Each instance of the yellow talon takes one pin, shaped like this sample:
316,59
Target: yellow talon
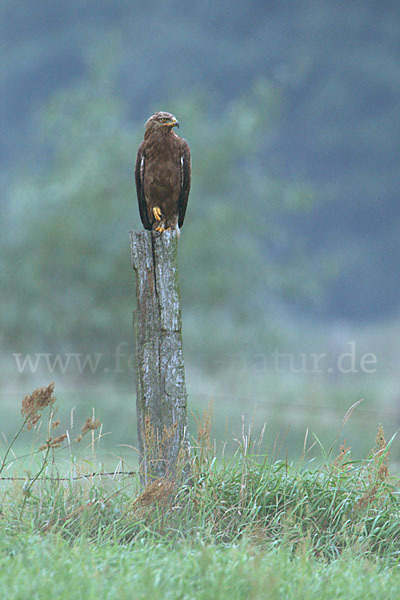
157,213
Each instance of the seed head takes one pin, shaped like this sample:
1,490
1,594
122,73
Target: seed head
32,405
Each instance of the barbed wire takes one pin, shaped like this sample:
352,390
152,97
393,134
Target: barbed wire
259,402
262,402
72,478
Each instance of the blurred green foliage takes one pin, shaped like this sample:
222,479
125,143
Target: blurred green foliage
335,65
64,237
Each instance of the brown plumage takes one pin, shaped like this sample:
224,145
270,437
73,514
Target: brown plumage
162,173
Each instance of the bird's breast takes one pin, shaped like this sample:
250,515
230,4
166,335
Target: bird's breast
163,170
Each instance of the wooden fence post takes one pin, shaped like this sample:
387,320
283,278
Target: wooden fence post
160,374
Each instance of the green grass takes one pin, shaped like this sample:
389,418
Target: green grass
246,526
240,530
49,567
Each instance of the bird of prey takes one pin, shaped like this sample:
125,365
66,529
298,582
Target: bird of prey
162,173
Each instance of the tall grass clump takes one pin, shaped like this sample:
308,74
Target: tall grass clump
341,505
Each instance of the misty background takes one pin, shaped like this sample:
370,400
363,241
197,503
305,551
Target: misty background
290,246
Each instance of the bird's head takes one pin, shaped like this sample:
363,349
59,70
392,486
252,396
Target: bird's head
161,121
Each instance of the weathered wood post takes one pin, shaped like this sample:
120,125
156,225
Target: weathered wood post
160,374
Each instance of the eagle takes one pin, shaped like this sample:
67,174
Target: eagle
163,174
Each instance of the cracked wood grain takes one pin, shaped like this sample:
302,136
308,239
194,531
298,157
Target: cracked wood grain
161,396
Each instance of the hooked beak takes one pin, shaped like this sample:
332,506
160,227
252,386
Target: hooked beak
172,123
